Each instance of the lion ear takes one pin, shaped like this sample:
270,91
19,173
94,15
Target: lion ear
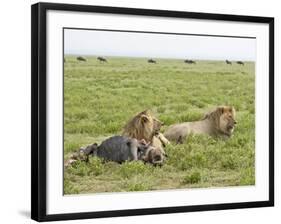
145,112
144,118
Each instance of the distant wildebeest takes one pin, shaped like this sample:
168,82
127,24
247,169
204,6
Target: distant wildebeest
102,59
190,61
228,62
81,58
151,61
240,62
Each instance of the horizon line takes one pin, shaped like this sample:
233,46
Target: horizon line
168,58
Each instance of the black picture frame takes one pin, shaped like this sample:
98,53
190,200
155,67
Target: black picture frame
39,114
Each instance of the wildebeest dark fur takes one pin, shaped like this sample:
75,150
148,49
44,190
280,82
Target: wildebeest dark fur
228,62
240,62
118,149
81,58
190,61
151,61
102,59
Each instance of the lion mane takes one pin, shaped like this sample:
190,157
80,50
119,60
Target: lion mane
140,127
220,117
145,126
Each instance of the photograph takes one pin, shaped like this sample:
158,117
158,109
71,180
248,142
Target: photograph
155,111
141,111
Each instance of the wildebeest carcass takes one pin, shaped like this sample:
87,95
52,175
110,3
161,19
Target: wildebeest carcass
240,62
81,58
120,149
102,59
189,61
228,62
151,61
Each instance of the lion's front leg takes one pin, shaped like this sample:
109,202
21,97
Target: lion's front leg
163,139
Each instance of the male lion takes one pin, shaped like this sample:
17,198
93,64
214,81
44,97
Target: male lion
219,122
145,126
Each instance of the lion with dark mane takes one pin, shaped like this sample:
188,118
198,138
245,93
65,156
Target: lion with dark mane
219,122
145,126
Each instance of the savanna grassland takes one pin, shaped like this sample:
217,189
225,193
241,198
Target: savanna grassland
99,98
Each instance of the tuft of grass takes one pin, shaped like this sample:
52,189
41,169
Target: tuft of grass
69,187
130,169
92,168
136,184
192,178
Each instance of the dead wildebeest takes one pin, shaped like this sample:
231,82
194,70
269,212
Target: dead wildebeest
151,61
120,149
102,59
190,61
240,62
228,62
81,58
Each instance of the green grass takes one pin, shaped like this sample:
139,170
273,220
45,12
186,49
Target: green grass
99,98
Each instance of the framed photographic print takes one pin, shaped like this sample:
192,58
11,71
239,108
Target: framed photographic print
139,111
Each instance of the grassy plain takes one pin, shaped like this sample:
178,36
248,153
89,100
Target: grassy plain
99,98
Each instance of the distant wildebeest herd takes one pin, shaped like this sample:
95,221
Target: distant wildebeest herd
237,62
152,61
142,140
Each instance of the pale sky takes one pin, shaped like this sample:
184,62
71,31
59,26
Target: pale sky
127,44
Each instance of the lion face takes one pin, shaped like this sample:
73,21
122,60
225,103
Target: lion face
227,120
157,126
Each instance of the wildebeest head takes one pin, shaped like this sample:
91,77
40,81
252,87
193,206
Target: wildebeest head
228,62
154,155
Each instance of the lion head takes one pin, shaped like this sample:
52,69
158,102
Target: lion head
223,118
142,126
